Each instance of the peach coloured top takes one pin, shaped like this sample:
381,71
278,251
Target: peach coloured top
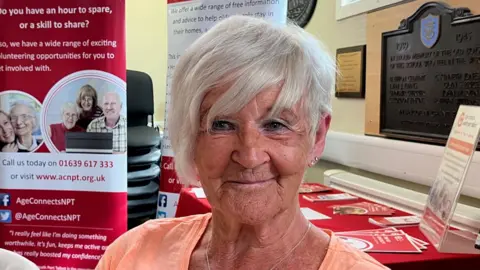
169,243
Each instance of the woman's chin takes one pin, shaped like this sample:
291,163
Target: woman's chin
254,215
23,133
7,140
251,205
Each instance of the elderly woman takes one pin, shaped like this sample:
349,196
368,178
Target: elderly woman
7,136
249,114
87,101
56,132
24,122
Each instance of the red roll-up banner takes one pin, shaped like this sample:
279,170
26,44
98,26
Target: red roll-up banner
63,141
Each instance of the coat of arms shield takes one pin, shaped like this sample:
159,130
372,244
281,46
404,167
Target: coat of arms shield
430,30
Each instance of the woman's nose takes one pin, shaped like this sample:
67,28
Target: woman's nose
249,151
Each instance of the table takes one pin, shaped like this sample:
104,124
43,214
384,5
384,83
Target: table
188,204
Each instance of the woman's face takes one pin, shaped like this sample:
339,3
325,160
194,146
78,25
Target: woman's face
86,102
6,130
69,117
251,166
22,120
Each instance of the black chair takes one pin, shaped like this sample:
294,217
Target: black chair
144,149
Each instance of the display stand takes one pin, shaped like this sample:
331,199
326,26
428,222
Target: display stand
445,191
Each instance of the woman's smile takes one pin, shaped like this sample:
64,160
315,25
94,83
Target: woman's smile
21,128
259,184
7,135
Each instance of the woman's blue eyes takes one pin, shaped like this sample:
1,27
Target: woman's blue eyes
222,126
273,126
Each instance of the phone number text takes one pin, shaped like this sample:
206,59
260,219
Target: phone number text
85,163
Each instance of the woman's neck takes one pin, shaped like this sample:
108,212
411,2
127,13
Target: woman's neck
263,243
26,140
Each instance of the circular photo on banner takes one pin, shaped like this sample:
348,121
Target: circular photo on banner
85,113
19,122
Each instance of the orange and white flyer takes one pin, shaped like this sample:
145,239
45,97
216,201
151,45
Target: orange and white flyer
395,221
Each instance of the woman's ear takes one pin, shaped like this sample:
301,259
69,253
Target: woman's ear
320,137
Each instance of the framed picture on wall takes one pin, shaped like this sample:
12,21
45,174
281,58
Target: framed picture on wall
350,79
349,8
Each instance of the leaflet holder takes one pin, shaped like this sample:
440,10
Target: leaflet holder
445,192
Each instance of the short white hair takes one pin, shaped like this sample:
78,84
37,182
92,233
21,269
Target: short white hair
249,55
33,112
71,105
117,96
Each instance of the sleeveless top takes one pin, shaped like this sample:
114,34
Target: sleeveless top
167,244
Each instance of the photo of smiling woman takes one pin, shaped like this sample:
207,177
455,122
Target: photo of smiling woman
19,128
87,101
56,132
7,137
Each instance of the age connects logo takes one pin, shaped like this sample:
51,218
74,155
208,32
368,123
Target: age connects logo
467,120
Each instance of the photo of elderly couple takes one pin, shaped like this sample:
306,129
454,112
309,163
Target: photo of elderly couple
85,116
19,122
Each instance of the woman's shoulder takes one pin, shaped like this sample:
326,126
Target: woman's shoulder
342,256
55,126
152,235
97,112
167,224
158,228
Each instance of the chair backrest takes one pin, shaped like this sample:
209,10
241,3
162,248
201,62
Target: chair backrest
10,260
139,98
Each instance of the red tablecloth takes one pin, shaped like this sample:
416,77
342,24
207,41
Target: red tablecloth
430,259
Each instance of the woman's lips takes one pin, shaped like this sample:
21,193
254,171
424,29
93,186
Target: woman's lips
257,183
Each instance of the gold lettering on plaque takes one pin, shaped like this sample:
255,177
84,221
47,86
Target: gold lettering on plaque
349,78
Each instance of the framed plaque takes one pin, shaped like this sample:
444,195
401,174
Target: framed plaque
430,66
350,80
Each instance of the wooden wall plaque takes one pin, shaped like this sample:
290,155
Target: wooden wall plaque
350,80
430,66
